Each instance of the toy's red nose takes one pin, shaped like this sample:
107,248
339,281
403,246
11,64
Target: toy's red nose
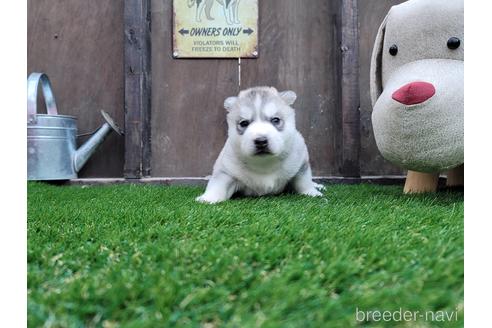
414,93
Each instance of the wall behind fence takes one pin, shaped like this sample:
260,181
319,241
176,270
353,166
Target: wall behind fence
296,52
79,44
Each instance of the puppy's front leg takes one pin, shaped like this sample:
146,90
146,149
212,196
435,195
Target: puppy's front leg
220,188
303,182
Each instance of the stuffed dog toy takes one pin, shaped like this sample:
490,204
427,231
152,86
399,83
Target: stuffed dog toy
417,90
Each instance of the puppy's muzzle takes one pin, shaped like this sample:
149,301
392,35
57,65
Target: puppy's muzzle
261,145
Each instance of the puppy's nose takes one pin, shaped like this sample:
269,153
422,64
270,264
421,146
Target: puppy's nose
261,142
414,93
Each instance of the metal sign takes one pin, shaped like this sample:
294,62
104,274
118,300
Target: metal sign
215,28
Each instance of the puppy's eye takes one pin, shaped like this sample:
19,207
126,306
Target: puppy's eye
244,123
393,50
454,43
275,120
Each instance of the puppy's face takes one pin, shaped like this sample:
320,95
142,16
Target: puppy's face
261,121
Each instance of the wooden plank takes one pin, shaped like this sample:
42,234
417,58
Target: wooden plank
350,88
298,51
186,181
137,88
79,44
371,14
188,118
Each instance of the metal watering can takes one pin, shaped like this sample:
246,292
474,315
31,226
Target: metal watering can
52,152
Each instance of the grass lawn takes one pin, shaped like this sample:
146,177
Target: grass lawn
150,256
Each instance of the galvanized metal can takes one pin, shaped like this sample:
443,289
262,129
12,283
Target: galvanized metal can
52,152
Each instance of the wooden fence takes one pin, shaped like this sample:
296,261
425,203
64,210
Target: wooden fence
117,56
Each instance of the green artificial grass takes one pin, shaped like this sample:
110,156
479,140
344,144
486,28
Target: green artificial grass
150,256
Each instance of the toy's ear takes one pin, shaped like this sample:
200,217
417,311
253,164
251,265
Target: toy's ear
288,96
229,103
376,78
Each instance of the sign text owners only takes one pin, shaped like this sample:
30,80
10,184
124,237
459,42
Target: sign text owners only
215,28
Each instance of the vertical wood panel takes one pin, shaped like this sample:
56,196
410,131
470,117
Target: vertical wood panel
188,118
79,44
137,88
350,88
371,14
299,51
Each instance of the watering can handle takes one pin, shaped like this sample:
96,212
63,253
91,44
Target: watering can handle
32,94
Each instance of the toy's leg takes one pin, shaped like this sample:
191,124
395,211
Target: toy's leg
418,182
456,176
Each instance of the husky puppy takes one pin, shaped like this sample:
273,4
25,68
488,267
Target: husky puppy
264,152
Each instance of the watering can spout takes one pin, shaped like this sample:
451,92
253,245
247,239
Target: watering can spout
85,151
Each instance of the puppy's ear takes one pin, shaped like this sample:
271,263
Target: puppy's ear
288,96
229,103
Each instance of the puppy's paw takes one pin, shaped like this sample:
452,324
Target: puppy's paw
319,186
208,199
312,193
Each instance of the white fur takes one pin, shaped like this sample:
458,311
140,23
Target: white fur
270,109
239,169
